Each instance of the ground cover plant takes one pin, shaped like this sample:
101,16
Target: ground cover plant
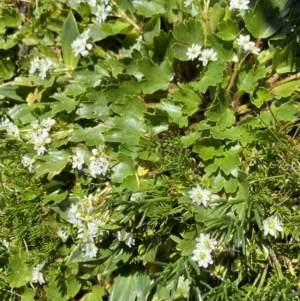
149,150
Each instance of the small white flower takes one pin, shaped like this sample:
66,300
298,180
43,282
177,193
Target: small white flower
239,4
98,166
200,196
91,2
86,235
135,197
253,49
48,123
207,242
78,46
202,256
45,64
90,249
27,162
34,65
78,159
12,130
271,225
194,51
208,55
188,2
235,58
126,237
102,13
37,275
244,42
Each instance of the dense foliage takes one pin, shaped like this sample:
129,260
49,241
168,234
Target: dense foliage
149,150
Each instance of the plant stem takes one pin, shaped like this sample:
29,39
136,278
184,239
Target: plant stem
262,279
285,80
276,262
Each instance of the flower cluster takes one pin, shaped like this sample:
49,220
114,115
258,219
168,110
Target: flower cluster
40,66
202,253
37,275
89,226
271,225
205,55
102,11
202,196
81,45
99,163
11,128
28,162
239,4
247,45
40,136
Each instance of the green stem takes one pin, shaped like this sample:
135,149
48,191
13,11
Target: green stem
262,279
276,262
285,80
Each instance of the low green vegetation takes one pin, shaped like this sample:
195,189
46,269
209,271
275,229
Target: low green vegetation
149,150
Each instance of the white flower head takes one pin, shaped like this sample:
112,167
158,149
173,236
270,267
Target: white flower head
137,196
90,249
200,196
48,123
45,64
253,49
98,166
207,55
27,162
62,234
34,65
194,51
13,130
37,275
235,58
271,225
126,237
102,12
244,42
202,256
239,4
78,159
78,46
207,242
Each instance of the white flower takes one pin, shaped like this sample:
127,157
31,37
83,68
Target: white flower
194,51
126,237
37,275
135,197
85,35
12,130
235,58
86,235
207,242
202,256
48,123
90,249
239,4
200,196
78,46
62,234
91,2
27,162
188,2
253,49
244,42
208,55
78,159
44,67
34,65
98,166
102,12
271,225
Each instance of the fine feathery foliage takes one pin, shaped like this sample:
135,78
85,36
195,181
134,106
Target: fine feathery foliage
149,150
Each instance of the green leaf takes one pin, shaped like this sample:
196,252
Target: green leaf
174,112
231,133
189,32
212,76
220,181
52,164
27,294
285,60
224,49
156,76
148,9
118,293
124,168
19,274
68,35
13,92
92,136
180,51
208,149
248,78
7,68
228,30
286,89
186,247
230,163
152,28
95,295
9,18
142,284
216,15
259,96
263,21
64,103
